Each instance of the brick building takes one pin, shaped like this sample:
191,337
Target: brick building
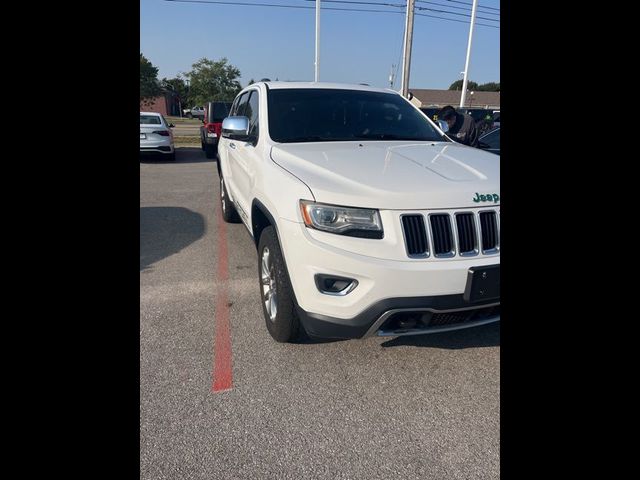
166,104
440,98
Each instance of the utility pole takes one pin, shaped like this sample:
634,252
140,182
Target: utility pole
408,42
466,63
391,76
317,40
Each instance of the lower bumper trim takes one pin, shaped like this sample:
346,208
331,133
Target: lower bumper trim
375,319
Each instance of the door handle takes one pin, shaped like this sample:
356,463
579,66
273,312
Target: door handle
232,145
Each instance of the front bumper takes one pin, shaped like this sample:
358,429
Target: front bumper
390,293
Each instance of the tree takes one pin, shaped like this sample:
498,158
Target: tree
149,86
178,85
457,85
489,87
213,81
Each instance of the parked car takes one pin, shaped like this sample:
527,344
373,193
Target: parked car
156,135
215,112
490,141
482,116
431,112
368,220
197,112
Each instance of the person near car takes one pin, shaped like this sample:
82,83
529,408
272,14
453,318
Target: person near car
462,127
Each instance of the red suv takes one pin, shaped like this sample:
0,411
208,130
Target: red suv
214,113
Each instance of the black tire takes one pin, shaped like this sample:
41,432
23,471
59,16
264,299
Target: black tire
202,144
229,212
209,151
284,325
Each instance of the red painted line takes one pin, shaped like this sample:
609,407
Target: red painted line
222,368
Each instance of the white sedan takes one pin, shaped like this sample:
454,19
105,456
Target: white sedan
156,135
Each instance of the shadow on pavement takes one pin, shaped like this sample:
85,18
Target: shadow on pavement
165,231
183,155
482,336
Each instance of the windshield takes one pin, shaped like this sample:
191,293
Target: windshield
330,115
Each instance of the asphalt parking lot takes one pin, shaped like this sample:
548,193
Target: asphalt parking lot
407,407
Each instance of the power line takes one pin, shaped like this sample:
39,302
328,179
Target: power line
281,6
455,13
401,5
453,6
470,4
454,20
221,2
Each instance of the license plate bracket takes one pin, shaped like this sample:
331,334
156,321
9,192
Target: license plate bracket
483,283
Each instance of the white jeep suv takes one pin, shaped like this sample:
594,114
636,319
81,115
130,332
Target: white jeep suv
367,218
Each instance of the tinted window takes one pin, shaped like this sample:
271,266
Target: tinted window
492,139
150,120
242,103
219,111
252,111
309,115
432,113
234,107
478,114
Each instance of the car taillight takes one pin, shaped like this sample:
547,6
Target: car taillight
218,128
163,133
211,128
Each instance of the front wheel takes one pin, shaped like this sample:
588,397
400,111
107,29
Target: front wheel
278,305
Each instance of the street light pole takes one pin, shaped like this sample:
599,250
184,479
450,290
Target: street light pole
317,40
408,42
187,82
466,63
173,89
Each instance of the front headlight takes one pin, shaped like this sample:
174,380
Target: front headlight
354,222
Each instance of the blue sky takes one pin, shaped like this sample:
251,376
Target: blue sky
355,47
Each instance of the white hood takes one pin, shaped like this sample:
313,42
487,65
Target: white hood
393,175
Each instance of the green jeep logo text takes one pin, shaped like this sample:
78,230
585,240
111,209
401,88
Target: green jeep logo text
490,197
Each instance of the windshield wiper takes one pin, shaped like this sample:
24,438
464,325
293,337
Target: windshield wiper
387,136
307,138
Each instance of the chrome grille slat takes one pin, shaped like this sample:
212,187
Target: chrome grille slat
467,240
442,235
415,235
489,226
467,234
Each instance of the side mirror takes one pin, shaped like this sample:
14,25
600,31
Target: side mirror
171,125
444,126
235,128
